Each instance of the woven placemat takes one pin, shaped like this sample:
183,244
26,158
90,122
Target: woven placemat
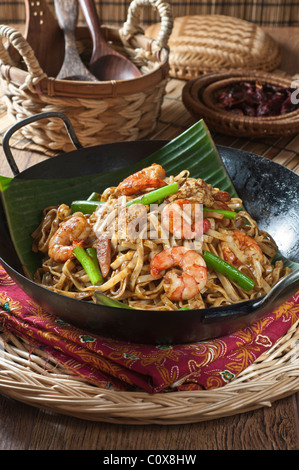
207,43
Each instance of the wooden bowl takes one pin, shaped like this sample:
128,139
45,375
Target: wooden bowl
200,98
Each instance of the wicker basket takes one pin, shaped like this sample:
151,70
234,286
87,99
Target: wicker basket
209,43
199,97
100,112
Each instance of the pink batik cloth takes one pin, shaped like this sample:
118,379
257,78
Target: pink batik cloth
120,365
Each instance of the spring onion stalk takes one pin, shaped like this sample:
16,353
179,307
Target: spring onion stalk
94,197
155,196
92,253
103,299
86,207
218,264
226,214
90,265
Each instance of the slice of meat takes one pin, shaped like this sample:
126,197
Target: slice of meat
103,247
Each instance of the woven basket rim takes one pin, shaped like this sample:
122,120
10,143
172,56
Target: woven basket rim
143,51
51,86
29,377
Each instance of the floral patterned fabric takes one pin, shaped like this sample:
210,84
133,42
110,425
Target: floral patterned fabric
120,365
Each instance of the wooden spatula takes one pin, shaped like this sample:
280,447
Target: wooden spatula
105,62
44,35
72,67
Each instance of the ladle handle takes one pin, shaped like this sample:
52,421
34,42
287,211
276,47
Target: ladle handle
91,16
67,14
29,120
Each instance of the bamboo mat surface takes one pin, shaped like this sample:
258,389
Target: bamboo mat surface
173,120
269,12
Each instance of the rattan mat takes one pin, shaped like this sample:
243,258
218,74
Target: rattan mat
173,120
33,378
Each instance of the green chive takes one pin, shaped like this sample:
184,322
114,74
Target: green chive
90,264
155,196
94,197
227,214
158,195
221,266
102,299
86,207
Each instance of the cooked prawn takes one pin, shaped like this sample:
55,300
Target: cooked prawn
194,272
184,225
243,250
71,232
151,177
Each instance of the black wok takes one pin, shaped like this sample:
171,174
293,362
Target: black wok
270,193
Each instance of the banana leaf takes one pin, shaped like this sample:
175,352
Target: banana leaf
24,199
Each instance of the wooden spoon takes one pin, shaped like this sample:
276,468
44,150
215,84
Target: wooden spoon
72,67
105,62
44,35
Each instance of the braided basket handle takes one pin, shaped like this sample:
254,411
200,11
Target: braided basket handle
16,39
132,25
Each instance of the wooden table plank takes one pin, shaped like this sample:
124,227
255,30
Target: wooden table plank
26,428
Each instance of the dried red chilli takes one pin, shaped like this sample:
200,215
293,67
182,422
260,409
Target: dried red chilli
257,99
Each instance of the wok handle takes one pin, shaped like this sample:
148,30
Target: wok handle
281,292
29,120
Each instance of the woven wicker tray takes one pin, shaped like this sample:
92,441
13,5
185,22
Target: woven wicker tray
198,96
35,379
208,43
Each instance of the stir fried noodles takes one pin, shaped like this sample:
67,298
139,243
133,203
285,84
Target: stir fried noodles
157,242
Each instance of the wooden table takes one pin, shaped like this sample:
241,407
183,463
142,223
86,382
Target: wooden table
23,427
